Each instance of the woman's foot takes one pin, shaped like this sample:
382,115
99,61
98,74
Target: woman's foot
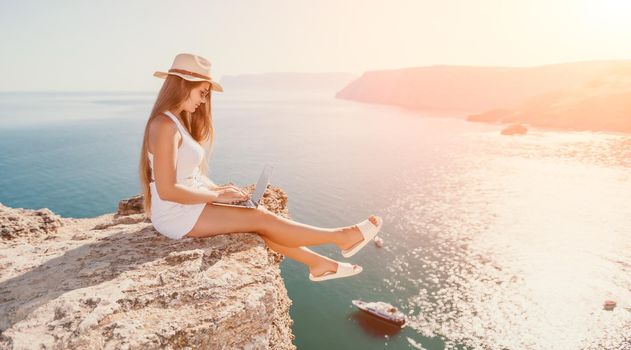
352,236
324,267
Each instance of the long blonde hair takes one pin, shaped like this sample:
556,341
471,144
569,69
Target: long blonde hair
199,124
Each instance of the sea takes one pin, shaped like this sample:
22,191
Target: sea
490,241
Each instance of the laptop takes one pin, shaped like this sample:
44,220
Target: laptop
259,190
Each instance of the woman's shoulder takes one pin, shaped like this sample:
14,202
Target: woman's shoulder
162,125
161,121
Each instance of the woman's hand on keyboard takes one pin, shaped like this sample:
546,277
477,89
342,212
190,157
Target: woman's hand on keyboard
229,185
230,195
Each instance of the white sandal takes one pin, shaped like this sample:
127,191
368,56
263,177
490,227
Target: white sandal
343,270
369,231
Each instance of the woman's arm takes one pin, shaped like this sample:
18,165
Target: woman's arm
208,182
188,195
165,138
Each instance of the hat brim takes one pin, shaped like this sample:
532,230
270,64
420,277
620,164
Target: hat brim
213,84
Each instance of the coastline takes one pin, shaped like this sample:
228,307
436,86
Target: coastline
576,96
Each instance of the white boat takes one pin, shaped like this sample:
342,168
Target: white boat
383,311
378,241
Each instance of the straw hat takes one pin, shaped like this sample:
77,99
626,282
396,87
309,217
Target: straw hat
191,67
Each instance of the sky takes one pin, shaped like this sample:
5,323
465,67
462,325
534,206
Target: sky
117,45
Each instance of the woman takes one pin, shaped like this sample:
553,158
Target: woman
177,192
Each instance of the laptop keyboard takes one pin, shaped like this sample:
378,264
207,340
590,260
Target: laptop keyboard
245,203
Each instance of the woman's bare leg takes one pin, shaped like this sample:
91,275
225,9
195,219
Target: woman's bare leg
216,220
317,264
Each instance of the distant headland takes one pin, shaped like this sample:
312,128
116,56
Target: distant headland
593,95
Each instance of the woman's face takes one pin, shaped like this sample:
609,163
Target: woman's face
197,97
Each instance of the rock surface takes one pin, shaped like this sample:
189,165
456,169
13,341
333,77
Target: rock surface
16,223
113,282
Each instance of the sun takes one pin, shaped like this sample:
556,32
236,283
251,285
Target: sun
607,15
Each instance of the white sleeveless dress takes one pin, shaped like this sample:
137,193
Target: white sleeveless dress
172,219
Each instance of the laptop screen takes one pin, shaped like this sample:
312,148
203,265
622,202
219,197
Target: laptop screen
261,185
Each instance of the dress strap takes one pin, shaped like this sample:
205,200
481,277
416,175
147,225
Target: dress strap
177,123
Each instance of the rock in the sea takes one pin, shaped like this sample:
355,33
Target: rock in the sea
514,129
113,282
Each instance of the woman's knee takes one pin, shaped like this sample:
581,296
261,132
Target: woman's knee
262,209
265,219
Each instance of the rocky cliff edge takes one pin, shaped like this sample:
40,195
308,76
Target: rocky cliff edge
113,282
